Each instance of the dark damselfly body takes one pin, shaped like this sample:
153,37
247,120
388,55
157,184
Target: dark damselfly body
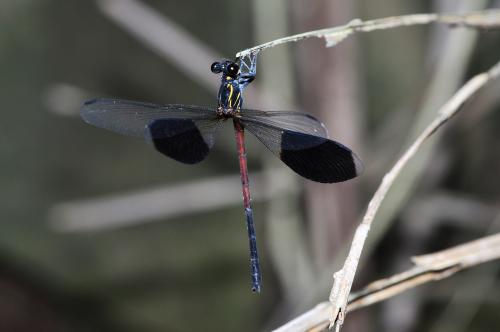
187,134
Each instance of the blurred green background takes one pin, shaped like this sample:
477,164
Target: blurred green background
187,270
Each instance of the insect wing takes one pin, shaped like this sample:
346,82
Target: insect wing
186,140
303,146
293,121
184,133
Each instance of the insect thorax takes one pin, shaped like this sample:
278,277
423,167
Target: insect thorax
229,94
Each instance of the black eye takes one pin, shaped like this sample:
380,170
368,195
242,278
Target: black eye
232,69
216,67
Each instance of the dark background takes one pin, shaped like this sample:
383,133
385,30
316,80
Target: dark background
189,271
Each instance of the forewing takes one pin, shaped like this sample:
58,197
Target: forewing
131,117
184,133
293,121
314,157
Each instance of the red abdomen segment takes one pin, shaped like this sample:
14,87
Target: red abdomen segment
254,256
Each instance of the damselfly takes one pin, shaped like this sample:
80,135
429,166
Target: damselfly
187,133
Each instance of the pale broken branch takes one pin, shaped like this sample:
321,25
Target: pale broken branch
343,278
487,19
427,268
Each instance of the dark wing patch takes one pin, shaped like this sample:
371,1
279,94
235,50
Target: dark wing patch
314,157
318,159
179,139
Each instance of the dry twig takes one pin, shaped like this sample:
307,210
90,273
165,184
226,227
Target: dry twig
343,278
479,20
487,19
430,267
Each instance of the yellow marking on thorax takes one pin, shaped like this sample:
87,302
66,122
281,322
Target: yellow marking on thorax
237,99
230,86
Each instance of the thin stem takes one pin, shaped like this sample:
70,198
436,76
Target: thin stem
343,278
487,19
427,268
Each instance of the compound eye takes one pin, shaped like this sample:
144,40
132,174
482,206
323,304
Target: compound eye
232,69
216,67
